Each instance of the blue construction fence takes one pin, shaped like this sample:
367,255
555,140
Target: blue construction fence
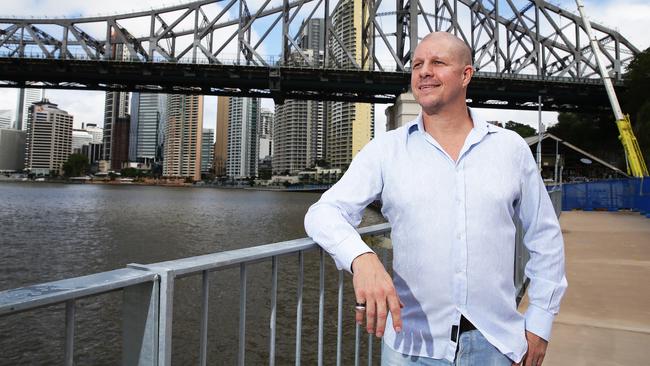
610,195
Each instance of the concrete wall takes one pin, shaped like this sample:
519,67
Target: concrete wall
12,149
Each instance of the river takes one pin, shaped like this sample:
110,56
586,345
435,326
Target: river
55,231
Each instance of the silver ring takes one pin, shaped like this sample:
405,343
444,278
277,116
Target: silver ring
361,306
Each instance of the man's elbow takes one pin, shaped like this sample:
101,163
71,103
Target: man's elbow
311,220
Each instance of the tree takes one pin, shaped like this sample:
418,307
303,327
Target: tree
636,100
76,165
520,128
596,133
130,172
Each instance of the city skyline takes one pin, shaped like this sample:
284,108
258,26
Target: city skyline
626,16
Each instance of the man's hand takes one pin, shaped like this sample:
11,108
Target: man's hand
374,287
536,350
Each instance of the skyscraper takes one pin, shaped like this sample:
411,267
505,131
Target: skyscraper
299,130
49,138
243,117
351,125
221,144
79,139
12,149
120,141
265,133
207,150
146,113
290,136
183,130
116,106
26,97
5,118
96,132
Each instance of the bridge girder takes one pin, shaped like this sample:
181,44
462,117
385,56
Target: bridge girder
511,38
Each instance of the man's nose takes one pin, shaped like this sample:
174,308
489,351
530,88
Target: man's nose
426,70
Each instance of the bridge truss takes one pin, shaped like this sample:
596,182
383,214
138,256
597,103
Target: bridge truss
521,49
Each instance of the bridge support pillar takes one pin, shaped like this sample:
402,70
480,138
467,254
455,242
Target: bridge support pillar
402,112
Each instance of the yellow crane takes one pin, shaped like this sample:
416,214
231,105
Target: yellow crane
635,163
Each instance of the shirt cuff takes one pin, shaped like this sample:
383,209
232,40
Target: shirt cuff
539,321
348,250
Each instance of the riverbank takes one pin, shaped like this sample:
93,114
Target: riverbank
165,183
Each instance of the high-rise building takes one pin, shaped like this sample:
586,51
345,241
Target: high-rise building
313,38
221,144
243,117
12,149
207,150
299,130
120,141
116,106
5,118
96,132
351,125
26,97
79,139
183,130
265,133
290,136
49,138
93,152
146,113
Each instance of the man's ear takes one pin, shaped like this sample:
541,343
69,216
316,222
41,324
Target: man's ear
468,72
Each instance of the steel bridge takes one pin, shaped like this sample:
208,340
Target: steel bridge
521,49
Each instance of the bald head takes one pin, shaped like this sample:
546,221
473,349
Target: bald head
460,50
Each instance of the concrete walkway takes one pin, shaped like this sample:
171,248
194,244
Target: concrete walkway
605,315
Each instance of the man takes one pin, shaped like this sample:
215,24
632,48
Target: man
450,185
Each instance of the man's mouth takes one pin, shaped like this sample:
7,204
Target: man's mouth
425,87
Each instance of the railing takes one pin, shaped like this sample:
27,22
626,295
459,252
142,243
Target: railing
148,293
149,296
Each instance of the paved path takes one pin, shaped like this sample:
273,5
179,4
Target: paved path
605,315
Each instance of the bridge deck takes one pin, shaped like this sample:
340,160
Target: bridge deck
605,317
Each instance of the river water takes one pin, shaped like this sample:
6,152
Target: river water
55,231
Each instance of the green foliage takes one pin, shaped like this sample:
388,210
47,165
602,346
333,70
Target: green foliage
637,80
636,100
76,165
130,173
642,130
520,128
595,133
265,173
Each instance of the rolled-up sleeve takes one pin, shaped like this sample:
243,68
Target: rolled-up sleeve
543,238
331,221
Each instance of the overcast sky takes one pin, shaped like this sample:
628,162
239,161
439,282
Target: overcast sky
629,17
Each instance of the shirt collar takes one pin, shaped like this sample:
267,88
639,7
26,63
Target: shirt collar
481,127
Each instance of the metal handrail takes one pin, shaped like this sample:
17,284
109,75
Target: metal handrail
149,293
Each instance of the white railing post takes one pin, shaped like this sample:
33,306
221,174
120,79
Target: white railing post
140,324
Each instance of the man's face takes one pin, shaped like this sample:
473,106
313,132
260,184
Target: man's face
438,75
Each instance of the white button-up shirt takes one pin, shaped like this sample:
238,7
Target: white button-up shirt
453,235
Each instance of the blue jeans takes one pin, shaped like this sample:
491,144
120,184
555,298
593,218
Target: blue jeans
473,350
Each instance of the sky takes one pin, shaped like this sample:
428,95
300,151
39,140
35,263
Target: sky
629,17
